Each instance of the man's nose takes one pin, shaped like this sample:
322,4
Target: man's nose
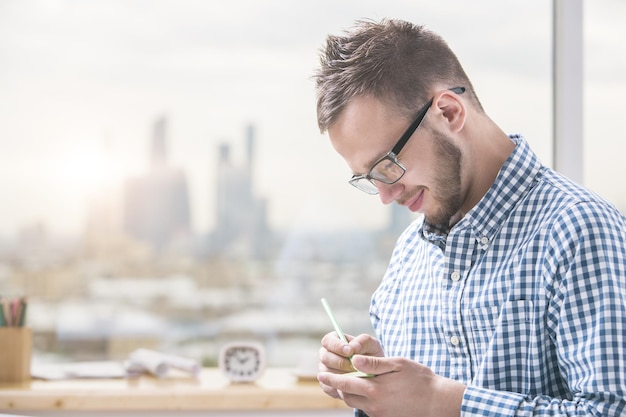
388,193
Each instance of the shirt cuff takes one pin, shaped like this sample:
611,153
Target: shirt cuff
481,402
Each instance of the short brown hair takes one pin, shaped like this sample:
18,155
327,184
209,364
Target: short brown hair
393,60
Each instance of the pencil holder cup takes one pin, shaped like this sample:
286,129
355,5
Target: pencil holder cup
15,354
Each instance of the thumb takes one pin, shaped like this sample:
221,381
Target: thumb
372,364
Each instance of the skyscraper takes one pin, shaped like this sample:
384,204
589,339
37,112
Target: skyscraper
156,204
241,217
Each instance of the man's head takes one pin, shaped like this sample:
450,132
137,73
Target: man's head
401,111
394,61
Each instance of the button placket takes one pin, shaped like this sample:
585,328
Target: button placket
458,264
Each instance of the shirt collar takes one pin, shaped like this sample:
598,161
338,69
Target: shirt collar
515,178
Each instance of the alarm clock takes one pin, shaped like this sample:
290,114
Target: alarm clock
242,361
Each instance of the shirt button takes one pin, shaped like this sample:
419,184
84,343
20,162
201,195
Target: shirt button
455,276
484,240
454,340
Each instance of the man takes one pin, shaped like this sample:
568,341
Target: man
508,296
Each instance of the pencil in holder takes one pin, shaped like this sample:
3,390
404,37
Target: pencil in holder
15,353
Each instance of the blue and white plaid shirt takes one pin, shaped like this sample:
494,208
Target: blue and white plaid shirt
523,300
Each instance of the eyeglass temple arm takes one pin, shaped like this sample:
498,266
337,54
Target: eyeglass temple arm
457,90
411,129
409,132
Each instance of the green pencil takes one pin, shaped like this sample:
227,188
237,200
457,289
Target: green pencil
343,338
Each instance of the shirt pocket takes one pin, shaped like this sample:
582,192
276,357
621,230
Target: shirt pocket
500,337
482,324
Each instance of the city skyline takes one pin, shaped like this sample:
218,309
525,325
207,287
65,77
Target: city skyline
82,82
153,207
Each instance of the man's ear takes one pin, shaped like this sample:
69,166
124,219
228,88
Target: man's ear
452,108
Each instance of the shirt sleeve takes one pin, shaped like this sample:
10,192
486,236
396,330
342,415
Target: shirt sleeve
585,280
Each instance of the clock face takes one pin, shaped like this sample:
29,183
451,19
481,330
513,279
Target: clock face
242,362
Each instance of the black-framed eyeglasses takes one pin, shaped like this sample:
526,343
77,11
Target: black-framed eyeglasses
388,169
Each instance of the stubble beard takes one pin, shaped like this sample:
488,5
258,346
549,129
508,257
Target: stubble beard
446,191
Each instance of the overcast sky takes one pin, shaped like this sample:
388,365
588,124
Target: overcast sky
76,75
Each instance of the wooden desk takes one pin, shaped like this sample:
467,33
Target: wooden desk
278,389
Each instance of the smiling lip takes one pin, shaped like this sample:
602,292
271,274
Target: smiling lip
416,204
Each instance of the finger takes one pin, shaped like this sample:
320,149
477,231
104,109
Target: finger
342,383
345,387
374,365
330,391
332,362
364,344
335,354
333,343
354,401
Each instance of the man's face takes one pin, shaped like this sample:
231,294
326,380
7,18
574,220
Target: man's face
366,130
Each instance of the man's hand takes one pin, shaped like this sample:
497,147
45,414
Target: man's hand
401,388
335,355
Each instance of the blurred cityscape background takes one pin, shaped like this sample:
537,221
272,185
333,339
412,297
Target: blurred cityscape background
138,276
164,183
